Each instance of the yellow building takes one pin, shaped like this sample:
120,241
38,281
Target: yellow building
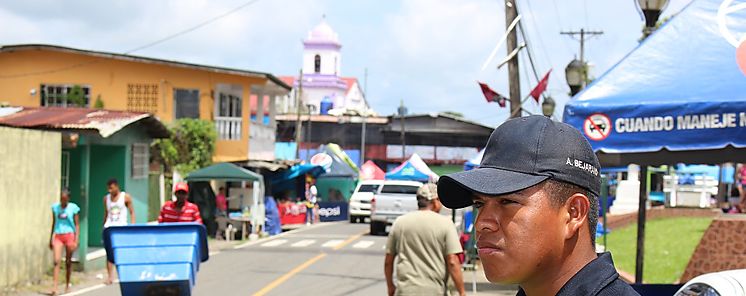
240,102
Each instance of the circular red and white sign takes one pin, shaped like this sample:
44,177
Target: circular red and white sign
597,127
322,159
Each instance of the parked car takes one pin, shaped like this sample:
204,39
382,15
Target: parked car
394,199
360,199
730,282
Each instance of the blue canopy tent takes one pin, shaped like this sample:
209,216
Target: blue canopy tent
678,97
474,162
287,179
407,172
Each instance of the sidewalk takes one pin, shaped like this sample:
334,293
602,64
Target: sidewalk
93,278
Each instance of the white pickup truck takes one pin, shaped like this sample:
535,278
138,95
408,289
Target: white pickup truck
394,198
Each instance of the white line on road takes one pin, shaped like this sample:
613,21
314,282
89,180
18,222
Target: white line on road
288,233
86,290
332,243
363,244
303,243
274,243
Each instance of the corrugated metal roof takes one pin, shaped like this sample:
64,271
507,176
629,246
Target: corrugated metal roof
105,122
16,47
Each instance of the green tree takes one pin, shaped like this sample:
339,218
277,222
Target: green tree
190,146
99,103
76,97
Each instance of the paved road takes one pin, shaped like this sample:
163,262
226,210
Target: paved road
327,259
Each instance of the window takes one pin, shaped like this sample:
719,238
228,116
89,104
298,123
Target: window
230,106
140,160
399,189
65,95
65,178
228,121
368,188
317,64
142,97
186,103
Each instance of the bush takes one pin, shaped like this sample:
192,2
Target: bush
190,147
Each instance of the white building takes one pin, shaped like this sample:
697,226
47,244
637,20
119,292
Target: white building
322,80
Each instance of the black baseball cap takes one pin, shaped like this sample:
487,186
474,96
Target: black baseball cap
521,153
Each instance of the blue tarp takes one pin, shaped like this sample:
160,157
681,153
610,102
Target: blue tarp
407,172
272,223
679,90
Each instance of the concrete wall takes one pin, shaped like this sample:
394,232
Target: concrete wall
29,185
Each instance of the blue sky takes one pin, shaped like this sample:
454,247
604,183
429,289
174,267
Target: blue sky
425,52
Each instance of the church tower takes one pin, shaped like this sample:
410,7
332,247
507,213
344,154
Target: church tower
321,51
322,76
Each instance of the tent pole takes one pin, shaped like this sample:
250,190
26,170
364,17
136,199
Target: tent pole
604,205
641,224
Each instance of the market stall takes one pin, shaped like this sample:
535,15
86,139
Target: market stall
678,97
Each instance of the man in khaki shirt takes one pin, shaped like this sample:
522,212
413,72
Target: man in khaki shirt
425,246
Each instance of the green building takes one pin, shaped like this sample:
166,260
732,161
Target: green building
98,145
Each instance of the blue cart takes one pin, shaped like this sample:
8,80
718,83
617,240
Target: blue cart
157,259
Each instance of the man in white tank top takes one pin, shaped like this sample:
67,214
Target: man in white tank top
117,209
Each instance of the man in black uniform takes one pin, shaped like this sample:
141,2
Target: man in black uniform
537,193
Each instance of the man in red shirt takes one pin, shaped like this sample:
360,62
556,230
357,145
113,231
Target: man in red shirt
181,210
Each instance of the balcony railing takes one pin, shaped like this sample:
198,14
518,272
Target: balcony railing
228,128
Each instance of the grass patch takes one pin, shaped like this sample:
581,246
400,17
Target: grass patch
669,243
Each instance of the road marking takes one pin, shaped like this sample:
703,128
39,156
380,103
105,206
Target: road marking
363,244
349,240
303,243
288,275
287,233
332,243
86,290
274,243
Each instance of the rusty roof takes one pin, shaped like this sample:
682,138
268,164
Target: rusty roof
104,122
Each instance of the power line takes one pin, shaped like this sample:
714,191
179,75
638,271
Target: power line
151,44
559,22
538,33
200,25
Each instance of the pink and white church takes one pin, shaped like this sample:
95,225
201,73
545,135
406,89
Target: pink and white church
323,85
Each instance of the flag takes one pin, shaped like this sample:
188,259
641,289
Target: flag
541,87
491,95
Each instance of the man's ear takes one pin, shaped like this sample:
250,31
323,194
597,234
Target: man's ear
578,207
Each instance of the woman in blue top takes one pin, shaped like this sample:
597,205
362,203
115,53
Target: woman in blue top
65,234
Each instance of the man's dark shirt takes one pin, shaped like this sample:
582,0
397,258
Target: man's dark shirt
598,277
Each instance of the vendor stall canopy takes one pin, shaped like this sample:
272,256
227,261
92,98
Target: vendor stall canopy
678,97
223,171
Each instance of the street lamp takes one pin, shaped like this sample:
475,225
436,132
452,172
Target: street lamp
575,76
652,10
547,107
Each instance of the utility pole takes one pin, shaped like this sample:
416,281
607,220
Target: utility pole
298,124
583,34
514,80
308,137
403,111
365,115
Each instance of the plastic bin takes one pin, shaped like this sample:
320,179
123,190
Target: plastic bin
158,259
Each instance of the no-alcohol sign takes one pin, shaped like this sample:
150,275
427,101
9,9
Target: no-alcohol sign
597,127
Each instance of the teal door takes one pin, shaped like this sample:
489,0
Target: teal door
106,162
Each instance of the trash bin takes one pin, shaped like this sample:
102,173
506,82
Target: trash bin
158,259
